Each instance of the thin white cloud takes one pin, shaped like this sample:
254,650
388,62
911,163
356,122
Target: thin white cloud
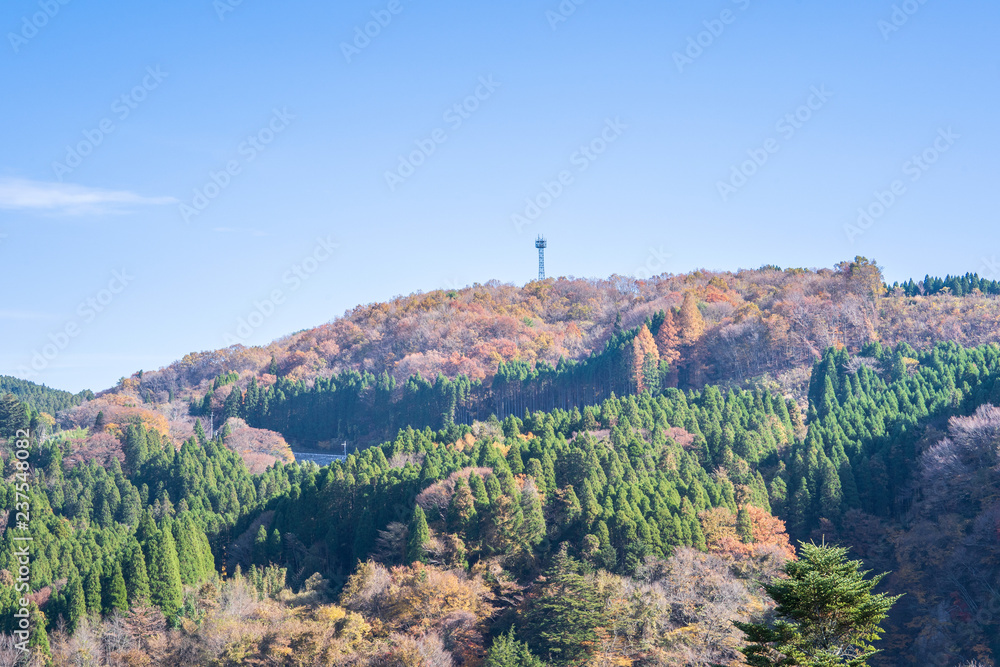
18,194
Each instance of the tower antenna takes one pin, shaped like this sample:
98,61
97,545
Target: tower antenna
541,244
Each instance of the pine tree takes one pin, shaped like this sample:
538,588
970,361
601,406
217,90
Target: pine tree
115,594
92,589
570,509
514,458
897,369
13,416
233,404
478,489
418,537
100,423
800,512
165,587
189,562
259,554
830,494
562,622
39,640
274,547
827,614
533,527
536,471
135,573
76,604
199,432
506,651
136,447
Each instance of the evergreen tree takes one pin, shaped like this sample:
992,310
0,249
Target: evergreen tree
514,458
165,587
506,651
418,536
135,573
188,559
533,527
562,622
274,547
115,594
827,614
744,527
76,604
830,494
136,448
259,554
92,589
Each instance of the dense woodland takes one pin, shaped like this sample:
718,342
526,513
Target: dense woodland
766,324
41,398
634,501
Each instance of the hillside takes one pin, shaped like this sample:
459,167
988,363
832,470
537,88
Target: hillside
460,355
624,506
643,493
39,397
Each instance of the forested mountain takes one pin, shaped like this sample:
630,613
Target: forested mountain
637,500
734,326
41,398
629,490
462,355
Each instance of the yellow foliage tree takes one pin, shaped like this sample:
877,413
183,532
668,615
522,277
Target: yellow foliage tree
692,323
645,359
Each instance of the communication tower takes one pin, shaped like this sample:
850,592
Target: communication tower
541,243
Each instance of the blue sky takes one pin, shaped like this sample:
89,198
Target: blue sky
716,134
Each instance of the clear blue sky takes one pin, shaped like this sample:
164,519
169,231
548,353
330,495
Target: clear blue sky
330,121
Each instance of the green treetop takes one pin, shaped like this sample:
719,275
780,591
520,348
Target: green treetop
827,614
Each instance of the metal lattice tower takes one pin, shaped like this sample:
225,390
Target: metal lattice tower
541,243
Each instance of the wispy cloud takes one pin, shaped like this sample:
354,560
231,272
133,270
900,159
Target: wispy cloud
20,194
